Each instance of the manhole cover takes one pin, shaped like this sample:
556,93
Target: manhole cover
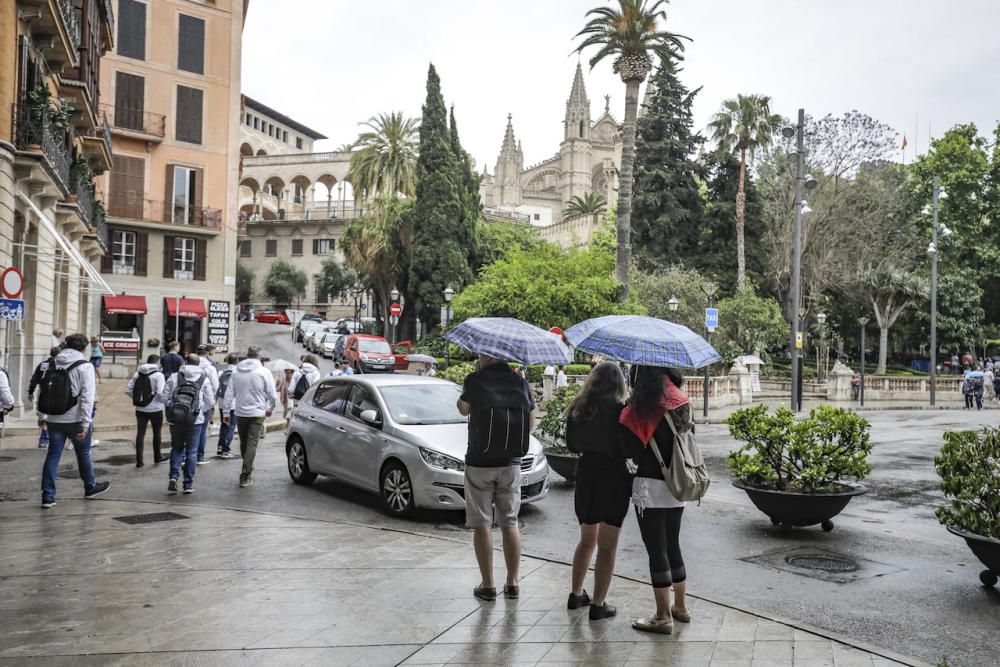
154,517
70,472
823,562
6,459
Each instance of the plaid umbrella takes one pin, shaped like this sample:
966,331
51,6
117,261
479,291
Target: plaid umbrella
511,340
647,341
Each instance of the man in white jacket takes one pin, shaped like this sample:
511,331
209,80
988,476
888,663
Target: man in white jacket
186,433
144,389
205,363
252,396
66,405
308,370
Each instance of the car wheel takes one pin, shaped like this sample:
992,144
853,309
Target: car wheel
396,489
298,464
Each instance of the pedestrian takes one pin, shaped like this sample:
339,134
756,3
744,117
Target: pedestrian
145,389
432,371
96,356
345,368
967,360
205,362
978,386
967,390
603,483
251,396
185,396
57,339
561,380
955,368
657,396
855,387
171,361
6,395
226,430
336,372
549,372
36,379
306,376
989,378
283,386
499,404
66,405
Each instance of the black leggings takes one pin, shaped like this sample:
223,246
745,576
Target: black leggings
154,419
660,530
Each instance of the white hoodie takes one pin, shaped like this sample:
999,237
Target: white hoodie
156,380
251,391
312,376
83,385
213,377
206,398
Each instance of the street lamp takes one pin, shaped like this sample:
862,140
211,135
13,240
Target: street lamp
861,390
821,366
449,293
673,303
936,228
709,289
802,182
394,295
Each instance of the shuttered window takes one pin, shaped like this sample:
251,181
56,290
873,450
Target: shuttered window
189,103
270,248
296,247
129,101
200,258
323,246
168,256
128,184
132,29
191,44
246,248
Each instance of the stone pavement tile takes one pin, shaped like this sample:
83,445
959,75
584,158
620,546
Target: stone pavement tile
525,653
543,634
770,630
729,663
481,654
733,651
814,662
288,656
848,656
435,654
592,653
734,631
382,655
770,663
773,650
821,650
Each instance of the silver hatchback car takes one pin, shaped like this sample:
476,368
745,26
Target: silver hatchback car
398,435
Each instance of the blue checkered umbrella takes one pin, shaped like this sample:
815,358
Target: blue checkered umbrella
638,339
511,340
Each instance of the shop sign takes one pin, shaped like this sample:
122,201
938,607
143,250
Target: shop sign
120,344
218,325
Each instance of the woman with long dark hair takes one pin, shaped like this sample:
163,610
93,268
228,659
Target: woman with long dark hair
656,396
603,484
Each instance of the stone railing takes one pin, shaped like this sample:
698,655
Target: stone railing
294,158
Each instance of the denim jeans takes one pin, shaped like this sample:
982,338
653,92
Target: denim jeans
203,438
184,439
58,435
226,432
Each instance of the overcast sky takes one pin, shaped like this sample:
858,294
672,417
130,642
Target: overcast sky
919,65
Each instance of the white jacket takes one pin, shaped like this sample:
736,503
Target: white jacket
251,391
206,397
83,384
213,376
312,376
6,395
157,381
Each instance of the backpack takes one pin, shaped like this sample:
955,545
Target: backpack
498,428
142,390
223,383
56,394
301,387
687,477
184,403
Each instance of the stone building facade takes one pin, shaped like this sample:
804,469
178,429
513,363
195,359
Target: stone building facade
587,161
53,146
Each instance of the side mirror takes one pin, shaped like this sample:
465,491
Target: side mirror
370,417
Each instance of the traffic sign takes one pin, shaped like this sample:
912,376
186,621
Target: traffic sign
11,283
393,320
711,318
11,309
395,310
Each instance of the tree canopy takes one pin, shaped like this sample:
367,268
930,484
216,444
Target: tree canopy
284,284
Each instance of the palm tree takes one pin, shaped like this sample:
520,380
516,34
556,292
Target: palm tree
744,124
591,204
629,32
384,161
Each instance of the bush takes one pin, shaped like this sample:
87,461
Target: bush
457,372
577,369
969,466
551,428
809,456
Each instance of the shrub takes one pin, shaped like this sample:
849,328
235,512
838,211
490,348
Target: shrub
577,369
809,456
969,466
457,372
551,428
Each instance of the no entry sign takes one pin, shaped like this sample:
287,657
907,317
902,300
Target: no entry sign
395,310
11,283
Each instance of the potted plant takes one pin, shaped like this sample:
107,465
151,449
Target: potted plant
798,472
969,467
551,430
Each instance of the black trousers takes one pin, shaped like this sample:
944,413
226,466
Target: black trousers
660,529
154,419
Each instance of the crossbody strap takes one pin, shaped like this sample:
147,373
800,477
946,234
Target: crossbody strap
659,456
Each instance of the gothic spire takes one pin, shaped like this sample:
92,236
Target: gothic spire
509,144
578,93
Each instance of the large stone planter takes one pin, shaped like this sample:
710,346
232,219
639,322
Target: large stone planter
564,464
787,508
987,550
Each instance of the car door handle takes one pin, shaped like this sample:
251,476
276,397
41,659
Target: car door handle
312,418
342,429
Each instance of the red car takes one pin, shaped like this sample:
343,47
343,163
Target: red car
369,354
273,317
401,350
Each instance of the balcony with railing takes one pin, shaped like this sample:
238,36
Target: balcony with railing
174,213
107,20
99,225
96,146
320,213
37,133
55,29
84,194
135,123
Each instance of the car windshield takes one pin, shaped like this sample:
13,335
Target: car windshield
373,346
429,403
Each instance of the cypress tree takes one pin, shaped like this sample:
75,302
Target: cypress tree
440,241
470,192
667,205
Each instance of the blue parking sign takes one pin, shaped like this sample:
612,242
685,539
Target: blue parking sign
11,309
711,318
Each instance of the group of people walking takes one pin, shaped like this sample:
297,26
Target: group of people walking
625,442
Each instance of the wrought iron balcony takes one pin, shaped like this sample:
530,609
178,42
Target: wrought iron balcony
36,132
85,200
68,14
99,225
132,121
168,212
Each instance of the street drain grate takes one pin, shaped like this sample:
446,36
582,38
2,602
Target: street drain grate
7,459
155,517
70,472
823,562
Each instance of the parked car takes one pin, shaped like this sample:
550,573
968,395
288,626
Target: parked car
314,341
329,345
353,326
299,326
369,354
273,317
400,350
398,435
310,329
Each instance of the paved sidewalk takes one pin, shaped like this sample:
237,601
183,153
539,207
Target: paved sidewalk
218,587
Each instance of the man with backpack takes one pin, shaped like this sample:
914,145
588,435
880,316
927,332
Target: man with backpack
306,376
205,362
227,429
36,379
66,397
185,396
144,389
251,396
499,404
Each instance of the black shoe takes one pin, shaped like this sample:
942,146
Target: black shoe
512,592
604,611
577,601
140,464
99,488
483,593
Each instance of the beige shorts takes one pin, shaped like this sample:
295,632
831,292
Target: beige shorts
492,489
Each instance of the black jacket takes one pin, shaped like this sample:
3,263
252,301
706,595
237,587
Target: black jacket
36,377
598,434
644,457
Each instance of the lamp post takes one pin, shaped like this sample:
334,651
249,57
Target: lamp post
936,227
394,295
802,180
861,390
449,293
709,289
821,366
673,303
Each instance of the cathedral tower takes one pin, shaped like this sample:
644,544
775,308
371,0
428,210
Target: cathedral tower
507,174
575,150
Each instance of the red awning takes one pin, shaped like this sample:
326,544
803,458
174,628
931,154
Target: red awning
125,304
188,307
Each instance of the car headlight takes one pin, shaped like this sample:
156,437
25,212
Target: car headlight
438,460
